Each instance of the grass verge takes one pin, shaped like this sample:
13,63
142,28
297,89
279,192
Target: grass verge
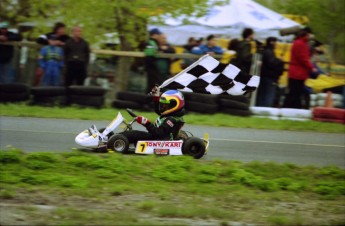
22,110
77,188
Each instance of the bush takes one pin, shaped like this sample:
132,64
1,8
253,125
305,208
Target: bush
173,169
10,157
206,178
333,172
87,162
38,165
179,176
330,188
266,185
244,177
43,157
33,179
9,178
104,173
69,181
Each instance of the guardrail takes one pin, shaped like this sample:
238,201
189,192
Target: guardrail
116,52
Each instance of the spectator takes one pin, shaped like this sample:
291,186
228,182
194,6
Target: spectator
199,41
233,44
150,51
243,59
6,53
209,48
192,42
163,64
51,62
272,67
299,70
59,31
77,57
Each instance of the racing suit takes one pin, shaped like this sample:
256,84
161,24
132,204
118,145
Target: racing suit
51,61
166,127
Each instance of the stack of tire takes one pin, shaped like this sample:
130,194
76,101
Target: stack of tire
266,112
234,105
201,103
14,92
49,95
319,99
282,113
91,96
133,100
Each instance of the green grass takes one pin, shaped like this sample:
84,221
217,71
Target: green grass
22,110
148,190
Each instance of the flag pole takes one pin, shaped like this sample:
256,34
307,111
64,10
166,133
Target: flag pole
170,80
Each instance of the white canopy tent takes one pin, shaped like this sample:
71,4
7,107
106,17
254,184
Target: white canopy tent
228,21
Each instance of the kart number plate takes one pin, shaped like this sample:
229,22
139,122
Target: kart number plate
159,147
141,147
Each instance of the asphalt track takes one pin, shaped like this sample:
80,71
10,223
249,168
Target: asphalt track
301,148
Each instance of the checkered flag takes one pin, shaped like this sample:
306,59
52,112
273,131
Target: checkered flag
208,75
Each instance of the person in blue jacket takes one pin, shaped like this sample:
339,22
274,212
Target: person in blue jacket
51,61
209,48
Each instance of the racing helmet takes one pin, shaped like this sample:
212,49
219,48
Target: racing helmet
171,101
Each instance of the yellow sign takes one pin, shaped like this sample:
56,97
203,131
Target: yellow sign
141,147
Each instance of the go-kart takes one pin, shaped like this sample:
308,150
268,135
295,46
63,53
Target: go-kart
106,139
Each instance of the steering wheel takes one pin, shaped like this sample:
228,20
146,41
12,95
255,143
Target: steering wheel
131,113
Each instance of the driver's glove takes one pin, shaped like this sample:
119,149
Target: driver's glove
142,120
155,92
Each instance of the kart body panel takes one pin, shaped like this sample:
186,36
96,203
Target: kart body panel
92,138
159,147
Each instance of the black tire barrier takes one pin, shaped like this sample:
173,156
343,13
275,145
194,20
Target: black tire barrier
242,99
126,104
201,107
14,92
14,97
86,90
201,98
49,95
49,100
14,88
85,100
49,91
133,96
236,112
226,103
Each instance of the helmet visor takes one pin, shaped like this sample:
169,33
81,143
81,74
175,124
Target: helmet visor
164,104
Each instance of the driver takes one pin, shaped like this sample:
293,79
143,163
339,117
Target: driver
170,108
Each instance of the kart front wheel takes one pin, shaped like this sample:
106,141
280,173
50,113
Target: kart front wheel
194,146
118,143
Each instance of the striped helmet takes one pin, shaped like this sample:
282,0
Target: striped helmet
171,101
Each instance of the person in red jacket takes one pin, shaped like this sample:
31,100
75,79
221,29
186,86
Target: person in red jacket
299,69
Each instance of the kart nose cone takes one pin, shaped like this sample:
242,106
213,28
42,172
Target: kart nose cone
86,140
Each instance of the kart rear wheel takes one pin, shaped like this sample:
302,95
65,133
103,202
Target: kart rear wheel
194,146
118,143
